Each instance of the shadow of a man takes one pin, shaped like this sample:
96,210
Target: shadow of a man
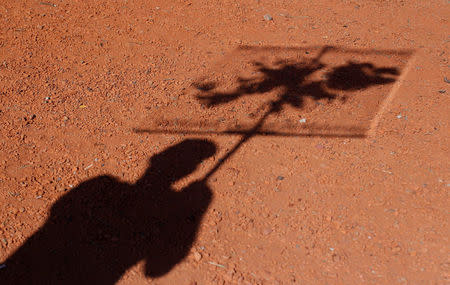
103,227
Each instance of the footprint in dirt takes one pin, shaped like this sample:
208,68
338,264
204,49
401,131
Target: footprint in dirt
103,227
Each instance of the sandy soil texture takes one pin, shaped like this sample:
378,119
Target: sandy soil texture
224,142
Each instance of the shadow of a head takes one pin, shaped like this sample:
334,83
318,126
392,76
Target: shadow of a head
179,160
175,221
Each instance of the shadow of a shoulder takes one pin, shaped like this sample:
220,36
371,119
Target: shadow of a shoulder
101,228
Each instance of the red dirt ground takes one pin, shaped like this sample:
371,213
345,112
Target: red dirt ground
119,119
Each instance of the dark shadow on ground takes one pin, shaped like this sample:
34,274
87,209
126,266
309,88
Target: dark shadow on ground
291,78
103,227
357,76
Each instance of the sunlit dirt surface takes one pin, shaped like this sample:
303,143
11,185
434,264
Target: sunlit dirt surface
224,142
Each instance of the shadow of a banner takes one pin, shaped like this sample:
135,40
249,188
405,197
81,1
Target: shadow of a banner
294,82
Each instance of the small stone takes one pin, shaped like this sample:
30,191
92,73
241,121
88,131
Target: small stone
267,231
413,192
267,17
442,91
280,178
396,249
302,120
399,116
446,80
197,256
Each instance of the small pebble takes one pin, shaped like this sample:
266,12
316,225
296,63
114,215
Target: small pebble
399,116
320,146
267,231
267,17
302,120
413,192
280,177
197,256
446,80
442,91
